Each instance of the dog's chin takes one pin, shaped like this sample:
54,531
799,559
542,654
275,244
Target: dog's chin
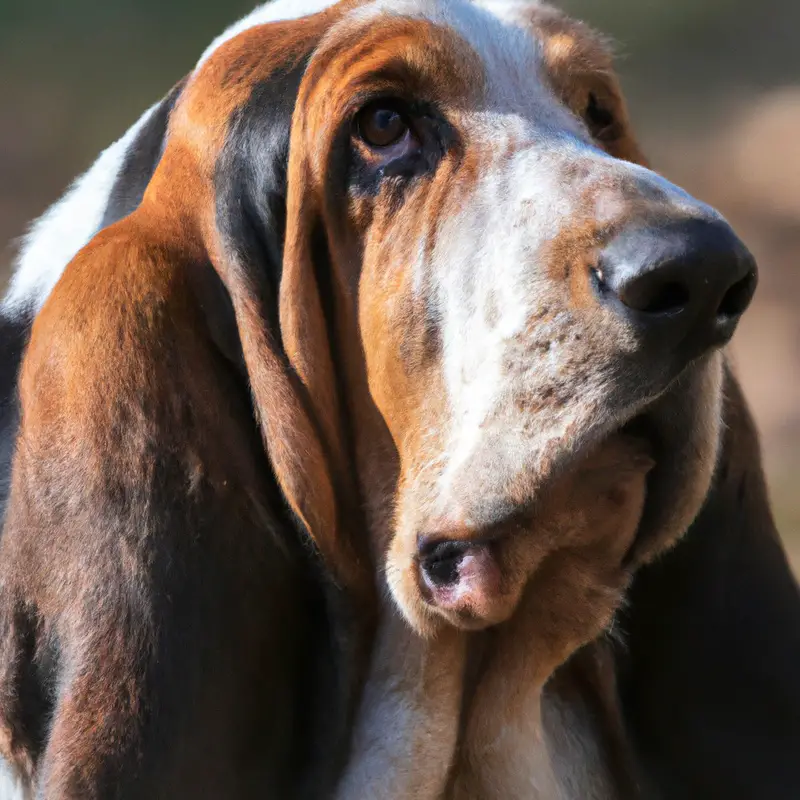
474,579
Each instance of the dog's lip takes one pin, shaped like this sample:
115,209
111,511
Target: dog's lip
460,580
429,544
442,567
511,520
490,537
449,536
434,553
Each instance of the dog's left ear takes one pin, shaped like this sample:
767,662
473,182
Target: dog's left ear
580,68
709,676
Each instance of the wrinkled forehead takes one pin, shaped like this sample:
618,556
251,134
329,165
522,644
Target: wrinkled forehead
512,56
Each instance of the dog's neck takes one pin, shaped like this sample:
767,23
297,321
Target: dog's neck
584,730
407,727
563,742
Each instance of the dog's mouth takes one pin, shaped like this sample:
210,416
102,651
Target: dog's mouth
464,577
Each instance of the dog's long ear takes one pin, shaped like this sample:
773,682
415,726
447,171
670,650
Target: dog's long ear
272,260
269,249
147,570
710,679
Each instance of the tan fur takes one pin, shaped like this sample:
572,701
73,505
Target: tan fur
352,399
569,601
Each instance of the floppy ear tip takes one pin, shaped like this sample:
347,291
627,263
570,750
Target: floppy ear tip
305,482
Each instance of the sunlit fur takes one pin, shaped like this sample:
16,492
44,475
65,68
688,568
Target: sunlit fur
454,376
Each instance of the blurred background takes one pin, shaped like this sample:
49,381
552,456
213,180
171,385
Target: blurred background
714,90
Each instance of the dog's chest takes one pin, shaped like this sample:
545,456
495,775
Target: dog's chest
552,748
579,760
552,756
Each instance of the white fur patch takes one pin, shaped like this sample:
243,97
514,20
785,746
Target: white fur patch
521,202
65,228
9,787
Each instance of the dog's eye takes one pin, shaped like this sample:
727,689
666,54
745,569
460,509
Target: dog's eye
599,119
381,124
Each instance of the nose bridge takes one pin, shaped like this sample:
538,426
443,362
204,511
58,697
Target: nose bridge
558,187
620,192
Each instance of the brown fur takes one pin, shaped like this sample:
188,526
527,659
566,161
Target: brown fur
106,577
145,555
156,602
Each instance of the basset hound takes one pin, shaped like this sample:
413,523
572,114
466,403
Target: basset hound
369,435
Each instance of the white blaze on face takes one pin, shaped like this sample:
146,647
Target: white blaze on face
489,289
495,297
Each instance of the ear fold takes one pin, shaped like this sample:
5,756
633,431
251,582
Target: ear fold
267,221
709,681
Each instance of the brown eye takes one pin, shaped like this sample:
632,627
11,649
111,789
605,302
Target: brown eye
599,119
381,125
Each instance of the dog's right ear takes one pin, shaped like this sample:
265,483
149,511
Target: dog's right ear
143,549
265,240
709,676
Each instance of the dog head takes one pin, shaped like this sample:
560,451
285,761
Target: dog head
454,283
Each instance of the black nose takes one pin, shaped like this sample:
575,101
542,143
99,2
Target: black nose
684,282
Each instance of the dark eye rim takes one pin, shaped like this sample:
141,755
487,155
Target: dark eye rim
601,120
393,104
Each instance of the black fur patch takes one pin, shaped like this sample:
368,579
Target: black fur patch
251,180
14,334
141,161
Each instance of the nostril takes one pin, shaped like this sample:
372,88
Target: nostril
738,297
678,282
672,296
651,294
